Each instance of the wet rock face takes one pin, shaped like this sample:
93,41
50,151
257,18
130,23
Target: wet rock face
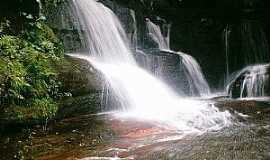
84,84
99,136
62,19
168,67
198,29
79,77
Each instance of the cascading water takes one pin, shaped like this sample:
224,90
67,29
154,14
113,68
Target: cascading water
105,36
197,82
246,44
227,32
155,33
140,95
253,81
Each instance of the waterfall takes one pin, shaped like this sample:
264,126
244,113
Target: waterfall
247,44
134,26
155,33
253,81
197,82
140,95
105,36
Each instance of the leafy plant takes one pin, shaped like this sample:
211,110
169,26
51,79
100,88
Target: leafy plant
29,86
52,3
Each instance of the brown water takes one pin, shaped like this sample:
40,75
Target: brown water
103,137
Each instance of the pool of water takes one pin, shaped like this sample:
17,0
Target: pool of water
102,136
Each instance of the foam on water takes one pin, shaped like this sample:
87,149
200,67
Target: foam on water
143,97
197,81
140,95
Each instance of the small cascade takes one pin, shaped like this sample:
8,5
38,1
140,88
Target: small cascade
252,81
177,69
245,44
197,83
134,36
155,33
139,94
166,66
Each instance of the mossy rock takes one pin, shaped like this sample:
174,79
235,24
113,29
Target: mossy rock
84,84
78,77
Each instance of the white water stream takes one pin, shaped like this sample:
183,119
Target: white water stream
140,95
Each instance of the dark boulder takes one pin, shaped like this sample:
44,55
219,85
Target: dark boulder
79,77
168,67
84,84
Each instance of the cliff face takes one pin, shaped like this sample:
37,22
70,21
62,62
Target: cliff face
224,36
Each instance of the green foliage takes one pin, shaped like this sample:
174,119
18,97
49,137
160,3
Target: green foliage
43,39
40,109
51,4
28,79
